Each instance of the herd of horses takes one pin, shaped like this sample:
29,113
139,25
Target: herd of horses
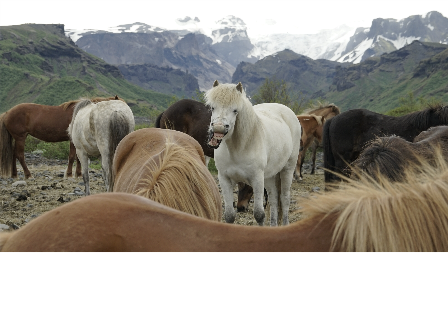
387,177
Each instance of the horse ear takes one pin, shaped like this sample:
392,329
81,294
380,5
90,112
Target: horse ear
215,83
116,97
239,87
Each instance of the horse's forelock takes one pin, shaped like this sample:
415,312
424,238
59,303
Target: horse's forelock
225,95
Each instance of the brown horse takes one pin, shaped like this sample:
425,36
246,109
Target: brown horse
360,216
312,132
46,123
168,167
390,156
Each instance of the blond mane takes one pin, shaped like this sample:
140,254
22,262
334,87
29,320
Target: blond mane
387,216
178,180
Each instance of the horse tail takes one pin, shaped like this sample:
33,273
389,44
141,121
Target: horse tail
6,148
4,238
329,160
157,123
119,127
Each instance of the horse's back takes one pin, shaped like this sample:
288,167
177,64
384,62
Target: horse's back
138,147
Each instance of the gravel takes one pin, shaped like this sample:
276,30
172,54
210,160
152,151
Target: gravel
22,200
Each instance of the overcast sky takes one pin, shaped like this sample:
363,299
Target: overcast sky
262,17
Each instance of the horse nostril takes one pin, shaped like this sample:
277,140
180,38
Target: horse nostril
227,126
212,124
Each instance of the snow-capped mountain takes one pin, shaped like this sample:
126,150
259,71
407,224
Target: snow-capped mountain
229,37
325,44
386,35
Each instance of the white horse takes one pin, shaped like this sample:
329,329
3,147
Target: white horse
259,145
96,129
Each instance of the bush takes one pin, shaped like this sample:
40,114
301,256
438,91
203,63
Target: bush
276,91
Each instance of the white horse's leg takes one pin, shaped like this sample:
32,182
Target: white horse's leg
271,188
207,160
84,159
106,171
227,193
286,177
258,186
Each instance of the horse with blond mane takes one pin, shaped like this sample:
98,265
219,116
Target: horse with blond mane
96,129
168,167
364,215
44,122
256,145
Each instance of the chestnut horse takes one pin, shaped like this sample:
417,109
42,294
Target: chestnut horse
312,132
360,216
390,156
168,167
46,123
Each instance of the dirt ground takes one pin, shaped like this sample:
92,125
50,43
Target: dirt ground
22,200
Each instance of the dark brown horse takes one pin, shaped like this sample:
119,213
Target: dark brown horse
46,123
391,156
312,132
347,134
190,117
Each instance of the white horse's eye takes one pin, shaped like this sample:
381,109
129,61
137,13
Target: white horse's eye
235,111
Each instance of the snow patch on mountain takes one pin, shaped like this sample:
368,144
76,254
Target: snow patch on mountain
320,45
136,27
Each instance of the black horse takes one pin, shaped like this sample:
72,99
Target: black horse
346,135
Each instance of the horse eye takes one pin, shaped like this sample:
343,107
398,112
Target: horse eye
235,111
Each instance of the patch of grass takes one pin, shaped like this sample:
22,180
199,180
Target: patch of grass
55,150
212,168
140,126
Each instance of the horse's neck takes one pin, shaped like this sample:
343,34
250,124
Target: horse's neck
248,126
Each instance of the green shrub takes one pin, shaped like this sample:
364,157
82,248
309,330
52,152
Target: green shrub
55,150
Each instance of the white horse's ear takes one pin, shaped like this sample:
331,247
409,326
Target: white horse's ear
215,83
239,87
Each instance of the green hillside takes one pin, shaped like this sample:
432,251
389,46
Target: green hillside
378,83
38,64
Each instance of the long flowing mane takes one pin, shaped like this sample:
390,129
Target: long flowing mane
176,163
387,216
422,119
246,120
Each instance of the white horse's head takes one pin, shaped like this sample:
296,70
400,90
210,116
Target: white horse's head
225,101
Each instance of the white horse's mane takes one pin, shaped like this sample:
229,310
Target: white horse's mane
228,95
